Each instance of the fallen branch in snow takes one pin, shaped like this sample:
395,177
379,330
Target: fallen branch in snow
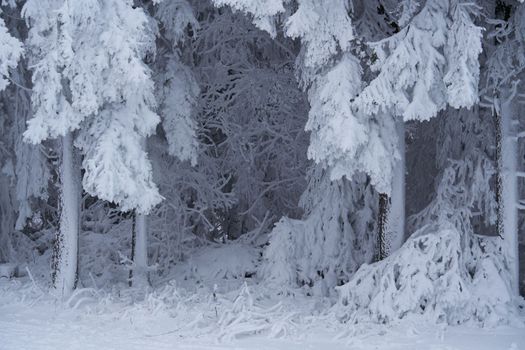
79,292
246,318
32,279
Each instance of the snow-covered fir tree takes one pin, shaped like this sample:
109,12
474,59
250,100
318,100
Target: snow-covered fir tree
99,106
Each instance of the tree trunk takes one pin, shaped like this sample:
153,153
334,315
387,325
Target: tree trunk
7,218
395,222
138,276
65,262
382,225
391,216
507,185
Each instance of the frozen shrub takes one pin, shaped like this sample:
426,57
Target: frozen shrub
335,237
433,275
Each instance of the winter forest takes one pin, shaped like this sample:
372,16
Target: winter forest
262,174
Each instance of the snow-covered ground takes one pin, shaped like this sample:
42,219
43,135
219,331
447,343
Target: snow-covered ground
240,316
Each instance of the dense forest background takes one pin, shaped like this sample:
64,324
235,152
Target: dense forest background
331,146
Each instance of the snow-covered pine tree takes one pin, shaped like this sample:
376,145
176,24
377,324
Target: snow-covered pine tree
10,52
177,94
120,93
25,172
410,59
92,89
49,45
504,68
178,103
179,90
420,70
344,139
463,193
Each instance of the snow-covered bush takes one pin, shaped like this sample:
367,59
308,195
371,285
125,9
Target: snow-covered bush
102,255
280,266
436,276
325,248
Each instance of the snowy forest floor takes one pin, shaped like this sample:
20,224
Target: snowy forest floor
208,304
169,318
